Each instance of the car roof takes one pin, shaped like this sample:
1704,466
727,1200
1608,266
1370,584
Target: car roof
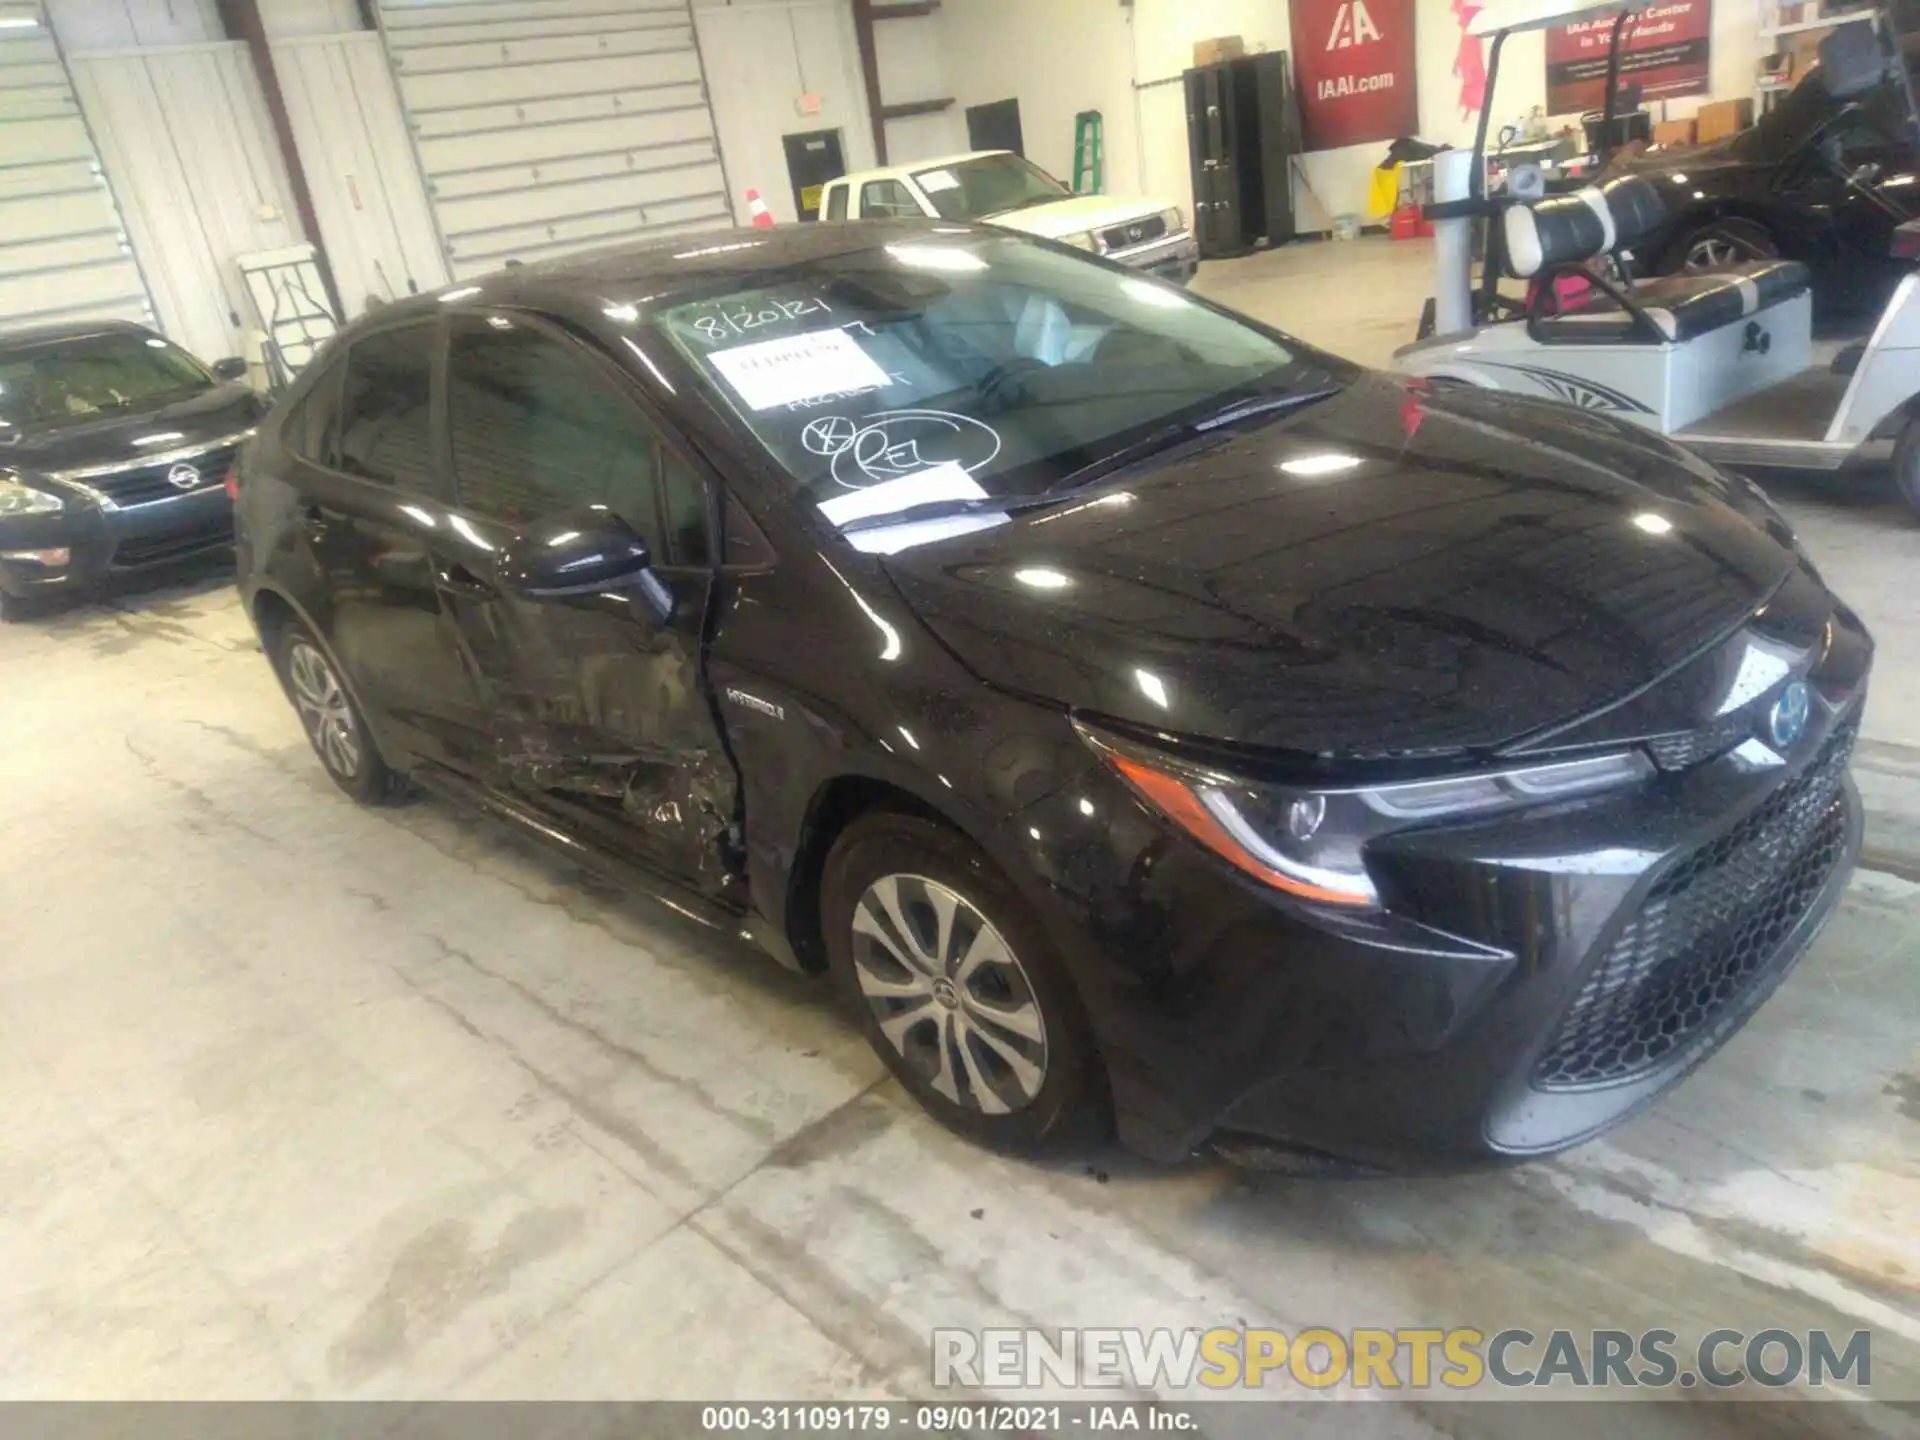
659,270
37,335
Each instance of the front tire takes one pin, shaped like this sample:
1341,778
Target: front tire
958,989
17,608
1906,465
335,728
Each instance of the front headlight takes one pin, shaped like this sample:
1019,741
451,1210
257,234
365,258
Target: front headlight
1175,221
18,499
1080,242
1312,842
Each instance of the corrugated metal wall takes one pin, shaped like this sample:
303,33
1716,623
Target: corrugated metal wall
64,254
546,126
186,140
360,168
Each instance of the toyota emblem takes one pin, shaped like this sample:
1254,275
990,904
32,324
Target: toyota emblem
184,477
1787,722
1136,232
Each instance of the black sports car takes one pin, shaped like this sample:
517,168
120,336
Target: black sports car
114,450
1813,180
1136,709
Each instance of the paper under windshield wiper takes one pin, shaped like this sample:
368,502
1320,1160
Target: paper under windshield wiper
946,510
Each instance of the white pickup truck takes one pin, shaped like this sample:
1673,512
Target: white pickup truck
1001,188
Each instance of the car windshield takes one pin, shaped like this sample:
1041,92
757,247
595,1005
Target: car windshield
1804,110
988,185
957,366
57,382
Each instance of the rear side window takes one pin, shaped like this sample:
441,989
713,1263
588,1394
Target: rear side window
386,408
886,199
837,201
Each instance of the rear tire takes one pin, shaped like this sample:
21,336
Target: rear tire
334,725
1906,465
958,989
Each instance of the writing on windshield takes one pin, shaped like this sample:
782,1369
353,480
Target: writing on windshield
991,358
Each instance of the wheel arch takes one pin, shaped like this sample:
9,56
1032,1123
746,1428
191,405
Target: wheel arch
835,805
270,608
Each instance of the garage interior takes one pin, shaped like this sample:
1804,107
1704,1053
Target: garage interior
304,1101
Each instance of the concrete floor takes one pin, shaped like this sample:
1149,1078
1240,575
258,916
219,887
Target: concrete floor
301,1100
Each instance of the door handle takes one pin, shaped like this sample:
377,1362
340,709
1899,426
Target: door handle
457,579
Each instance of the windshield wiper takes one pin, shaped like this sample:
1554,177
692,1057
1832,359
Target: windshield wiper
1263,405
1169,436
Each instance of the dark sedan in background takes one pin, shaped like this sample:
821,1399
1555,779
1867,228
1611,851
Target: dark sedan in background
1814,181
114,451
1139,712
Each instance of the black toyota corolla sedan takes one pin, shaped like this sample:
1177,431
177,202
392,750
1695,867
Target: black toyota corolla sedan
114,451
1138,711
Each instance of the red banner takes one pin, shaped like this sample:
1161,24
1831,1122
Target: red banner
1664,51
1354,66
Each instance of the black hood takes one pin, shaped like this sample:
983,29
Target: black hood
109,438
1491,566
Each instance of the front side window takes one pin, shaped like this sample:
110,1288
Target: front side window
837,201
47,384
886,200
978,362
988,185
385,428
538,431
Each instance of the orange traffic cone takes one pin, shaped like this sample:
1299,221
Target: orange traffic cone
757,208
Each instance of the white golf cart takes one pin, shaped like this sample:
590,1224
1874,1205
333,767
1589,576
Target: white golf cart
1722,362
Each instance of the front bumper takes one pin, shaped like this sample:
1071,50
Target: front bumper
1174,257
1532,979
105,542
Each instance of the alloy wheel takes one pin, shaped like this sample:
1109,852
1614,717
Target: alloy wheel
1713,252
324,709
949,994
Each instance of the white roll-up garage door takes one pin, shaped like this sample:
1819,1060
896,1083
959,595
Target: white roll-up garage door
546,126
360,167
184,132
64,254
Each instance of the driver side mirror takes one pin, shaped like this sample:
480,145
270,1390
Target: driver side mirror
231,368
589,552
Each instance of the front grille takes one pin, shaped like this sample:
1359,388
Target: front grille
157,549
1710,927
150,483
1135,232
